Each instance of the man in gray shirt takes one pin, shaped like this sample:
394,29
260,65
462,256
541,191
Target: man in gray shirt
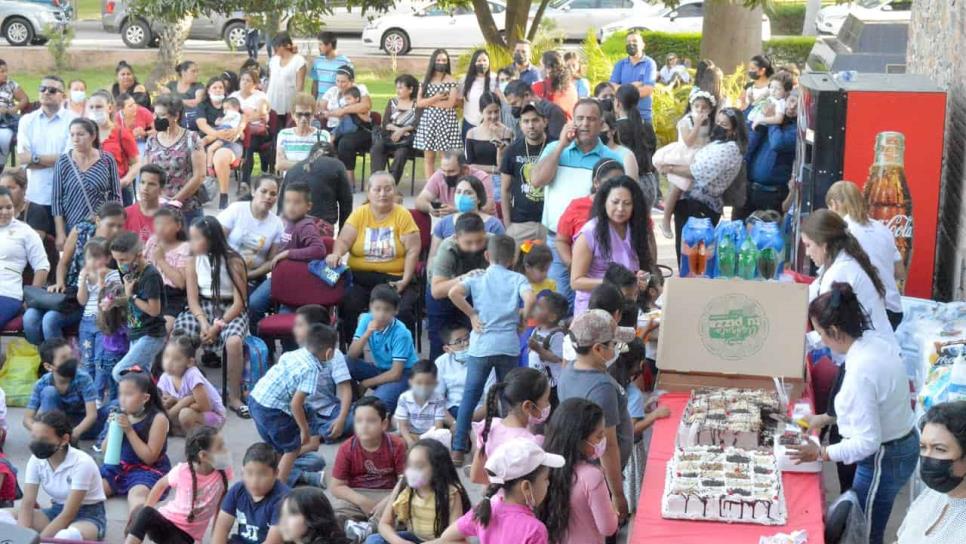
595,337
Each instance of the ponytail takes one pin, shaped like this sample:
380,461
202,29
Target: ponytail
840,308
827,227
484,511
492,406
519,386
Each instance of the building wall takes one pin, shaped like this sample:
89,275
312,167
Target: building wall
937,40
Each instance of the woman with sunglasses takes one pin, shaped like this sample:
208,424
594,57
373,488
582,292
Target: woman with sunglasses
294,144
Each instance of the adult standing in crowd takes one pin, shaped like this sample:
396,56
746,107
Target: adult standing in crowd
84,178
846,199
526,72
438,197
77,97
639,70
398,129
13,100
326,65
575,65
871,407
212,107
470,197
286,76
180,153
611,139
519,95
19,246
326,177
522,203
558,84
136,118
770,158
760,71
630,133
383,244
42,137
186,85
712,170
616,233
938,515
565,172
255,109
478,81
295,143
486,143
116,140
126,82
140,215
438,128
334,107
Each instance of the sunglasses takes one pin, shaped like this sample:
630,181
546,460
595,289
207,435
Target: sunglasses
303,114
49,90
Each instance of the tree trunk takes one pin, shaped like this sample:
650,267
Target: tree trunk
537,17
170,53
516,21
487,25
811,13
731,34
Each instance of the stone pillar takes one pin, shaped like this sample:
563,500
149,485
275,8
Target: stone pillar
937,39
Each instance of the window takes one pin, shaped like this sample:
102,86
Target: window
435,10
614,4
495,8
691,10
584,4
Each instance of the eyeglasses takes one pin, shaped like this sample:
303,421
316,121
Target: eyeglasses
459,341
49,90
303,114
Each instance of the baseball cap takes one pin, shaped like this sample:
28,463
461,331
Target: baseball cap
518,457
597,327
531,107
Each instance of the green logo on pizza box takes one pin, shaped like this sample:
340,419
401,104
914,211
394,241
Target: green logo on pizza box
733,326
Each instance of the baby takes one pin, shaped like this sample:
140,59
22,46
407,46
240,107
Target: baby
770,110
231,118
354,121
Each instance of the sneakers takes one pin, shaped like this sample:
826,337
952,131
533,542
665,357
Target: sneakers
313,479
666,230
358,531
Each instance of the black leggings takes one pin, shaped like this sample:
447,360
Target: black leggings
381,151
149,522
351,144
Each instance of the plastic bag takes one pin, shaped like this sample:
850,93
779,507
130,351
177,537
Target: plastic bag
19,372
795,537
845,522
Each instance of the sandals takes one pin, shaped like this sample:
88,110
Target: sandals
666,231
242,412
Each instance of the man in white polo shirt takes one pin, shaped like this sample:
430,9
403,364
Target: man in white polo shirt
565,170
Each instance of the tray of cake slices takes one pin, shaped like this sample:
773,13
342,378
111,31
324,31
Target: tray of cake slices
724,484
729,417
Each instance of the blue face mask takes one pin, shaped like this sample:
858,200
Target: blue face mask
465,203
123,268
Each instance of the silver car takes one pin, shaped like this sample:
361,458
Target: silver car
26,23
136,32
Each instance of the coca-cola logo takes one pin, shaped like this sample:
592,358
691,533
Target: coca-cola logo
900,226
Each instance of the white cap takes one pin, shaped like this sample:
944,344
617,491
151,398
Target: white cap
518,457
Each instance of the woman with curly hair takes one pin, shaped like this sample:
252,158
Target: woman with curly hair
558,84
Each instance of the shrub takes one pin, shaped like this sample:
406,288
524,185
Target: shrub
60,38
546,39
598,66
789,49
787,19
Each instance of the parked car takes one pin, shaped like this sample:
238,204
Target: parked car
688,16
830,19
575,17
873,43
346,20
429,26
25,23
136,32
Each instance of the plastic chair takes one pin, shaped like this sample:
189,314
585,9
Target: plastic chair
376,119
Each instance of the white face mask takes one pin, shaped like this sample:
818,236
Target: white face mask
221,460
77,96
617,353
98,116
416,478
216,98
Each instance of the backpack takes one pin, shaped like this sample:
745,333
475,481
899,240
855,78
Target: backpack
256,362
18,492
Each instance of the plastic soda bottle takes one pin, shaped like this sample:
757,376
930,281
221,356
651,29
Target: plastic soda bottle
727,257
747,259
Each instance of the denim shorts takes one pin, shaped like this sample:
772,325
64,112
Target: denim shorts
275,427
93,513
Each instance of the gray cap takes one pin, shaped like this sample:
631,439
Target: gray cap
597,327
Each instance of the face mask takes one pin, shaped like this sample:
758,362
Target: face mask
451,180
610,362
599,449
544,414
937,474
465,203
221,461
68,369
422,392
718,133
605,137
124,268
216,98
515,111
441,67
503,85
43,450
98,116
77,96
752,74
161,124
631,50
416,478
460,356
519,58
607,104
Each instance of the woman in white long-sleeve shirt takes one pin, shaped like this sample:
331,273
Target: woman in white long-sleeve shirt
845,198
872,407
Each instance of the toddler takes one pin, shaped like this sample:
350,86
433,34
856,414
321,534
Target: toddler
231,118
546,341
92,278
536,258
354,121
112,329
770,110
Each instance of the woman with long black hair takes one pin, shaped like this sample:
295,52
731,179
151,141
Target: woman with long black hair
558,84
216,281
438,128
478,81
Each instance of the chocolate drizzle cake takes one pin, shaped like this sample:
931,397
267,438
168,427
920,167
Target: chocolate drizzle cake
737,418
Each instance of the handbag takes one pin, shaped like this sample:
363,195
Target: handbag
40,298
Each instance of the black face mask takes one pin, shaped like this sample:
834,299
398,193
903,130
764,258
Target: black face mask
43,450
518,58
451,180
515,111
631,50
937,474
718,133
441,67
607,104
68,369
605,137
161,124
752,74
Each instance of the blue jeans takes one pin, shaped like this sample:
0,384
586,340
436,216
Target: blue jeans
477,371
405,535
40,325
142,352
389,392
259,301
51,399
307,462
322,426
90,338
9,308
879,477
441,312
559,272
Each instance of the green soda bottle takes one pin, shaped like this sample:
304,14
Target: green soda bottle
727,257
747,259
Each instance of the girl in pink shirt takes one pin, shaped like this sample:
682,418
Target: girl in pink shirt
578,509
526,394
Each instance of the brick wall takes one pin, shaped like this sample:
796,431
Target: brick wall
937,40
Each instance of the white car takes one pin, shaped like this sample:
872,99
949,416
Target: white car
431,26
687,17
830,19
346,20
575,17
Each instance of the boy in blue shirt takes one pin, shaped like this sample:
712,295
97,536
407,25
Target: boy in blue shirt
66,388
502,299
390,344
253,502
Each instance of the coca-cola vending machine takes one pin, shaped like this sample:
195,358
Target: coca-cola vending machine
885,133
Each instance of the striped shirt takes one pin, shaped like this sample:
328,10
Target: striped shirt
100,183
573,178
295,371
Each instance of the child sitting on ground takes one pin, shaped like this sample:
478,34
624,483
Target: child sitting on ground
418,503
367,465
306,517
420,408
144,458
65,388
546,341
231,119
190,399
451,371
90,281
253,502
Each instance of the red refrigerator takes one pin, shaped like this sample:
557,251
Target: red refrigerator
875,127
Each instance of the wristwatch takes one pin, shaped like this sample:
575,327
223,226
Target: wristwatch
35,159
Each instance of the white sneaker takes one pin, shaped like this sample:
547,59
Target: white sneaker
358,530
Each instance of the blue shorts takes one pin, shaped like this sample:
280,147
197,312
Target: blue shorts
92,513
121,480
322,426
275,427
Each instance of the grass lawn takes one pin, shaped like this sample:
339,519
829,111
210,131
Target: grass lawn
87,9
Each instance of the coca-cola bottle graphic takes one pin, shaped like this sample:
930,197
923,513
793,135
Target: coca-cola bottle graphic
887,192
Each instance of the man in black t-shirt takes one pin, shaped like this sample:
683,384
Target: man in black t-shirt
523,203
326,177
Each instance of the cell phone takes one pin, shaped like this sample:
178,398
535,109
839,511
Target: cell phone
436,204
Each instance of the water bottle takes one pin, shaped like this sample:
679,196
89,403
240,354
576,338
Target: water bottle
497,185
747,259
768,240
112,453
726,257
957,381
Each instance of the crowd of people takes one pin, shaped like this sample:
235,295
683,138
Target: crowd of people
529,252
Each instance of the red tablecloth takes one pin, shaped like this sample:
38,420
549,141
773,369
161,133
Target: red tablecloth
803,497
